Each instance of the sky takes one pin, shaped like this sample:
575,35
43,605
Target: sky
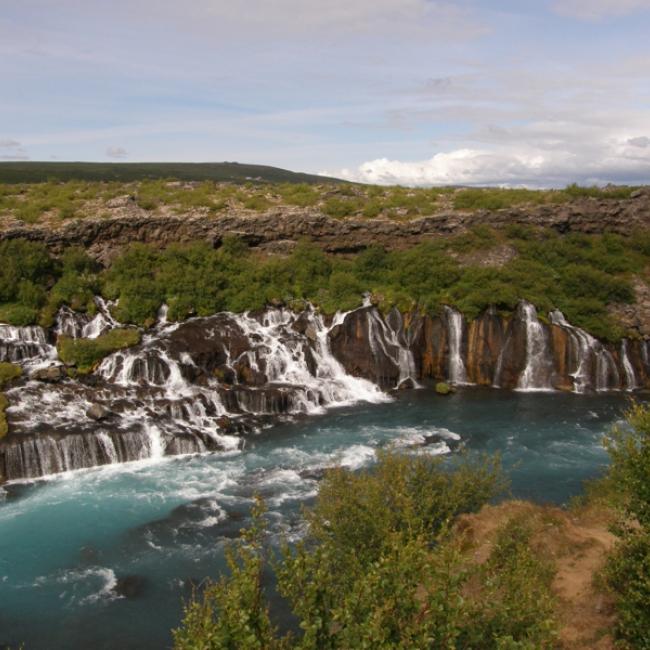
537,93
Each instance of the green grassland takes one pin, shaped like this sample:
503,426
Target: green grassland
59,201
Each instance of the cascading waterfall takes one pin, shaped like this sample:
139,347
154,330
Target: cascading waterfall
385,341
586,350
76,325
189,386
25,345
628,368
537,373
284,357
456,366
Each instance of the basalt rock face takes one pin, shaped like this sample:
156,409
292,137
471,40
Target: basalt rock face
201,385
279,228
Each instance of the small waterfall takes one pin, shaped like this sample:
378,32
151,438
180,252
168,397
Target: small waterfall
76,325
585,348
456,367
385,341
537,373
25,345
630,376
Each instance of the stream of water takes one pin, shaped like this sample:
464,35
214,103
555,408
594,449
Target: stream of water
65,542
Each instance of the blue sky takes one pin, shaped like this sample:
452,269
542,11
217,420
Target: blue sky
412,91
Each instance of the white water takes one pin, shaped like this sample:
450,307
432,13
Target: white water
537,373
456,366
630,376
385,342
283,354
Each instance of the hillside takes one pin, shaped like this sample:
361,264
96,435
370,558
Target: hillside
39,172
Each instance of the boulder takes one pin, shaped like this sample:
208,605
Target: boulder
131,586
51,374
97,412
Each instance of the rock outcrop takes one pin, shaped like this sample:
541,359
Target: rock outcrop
278,229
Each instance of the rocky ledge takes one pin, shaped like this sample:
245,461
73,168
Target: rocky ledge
280,228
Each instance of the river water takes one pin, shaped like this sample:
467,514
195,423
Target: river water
64,542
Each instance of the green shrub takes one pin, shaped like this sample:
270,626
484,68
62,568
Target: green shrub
379,568
4,425
84,354
628,569
9,372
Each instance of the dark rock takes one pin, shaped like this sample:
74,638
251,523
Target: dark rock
131,586
50,374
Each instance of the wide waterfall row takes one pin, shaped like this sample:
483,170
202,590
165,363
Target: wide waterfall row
198,385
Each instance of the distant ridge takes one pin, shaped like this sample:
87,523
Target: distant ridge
38,172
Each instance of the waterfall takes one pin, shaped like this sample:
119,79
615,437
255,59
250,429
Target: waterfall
285,358
456,367
25,345
630,375
585,348
537,373
385,340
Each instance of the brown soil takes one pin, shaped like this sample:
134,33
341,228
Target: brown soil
577,543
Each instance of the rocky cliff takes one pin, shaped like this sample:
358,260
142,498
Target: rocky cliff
278,229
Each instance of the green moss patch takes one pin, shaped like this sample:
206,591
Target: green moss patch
8,372
4,426
85,354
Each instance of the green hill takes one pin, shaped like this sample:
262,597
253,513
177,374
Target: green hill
37,172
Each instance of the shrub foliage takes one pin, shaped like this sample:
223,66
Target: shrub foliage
379,568
578,274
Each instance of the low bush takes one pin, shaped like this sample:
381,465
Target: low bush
8,372
380,568
84,354
628,569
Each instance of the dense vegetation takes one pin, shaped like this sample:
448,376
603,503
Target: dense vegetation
33,202
628,569
577,274
380,568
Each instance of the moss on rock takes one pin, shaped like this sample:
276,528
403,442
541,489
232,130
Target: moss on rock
85,354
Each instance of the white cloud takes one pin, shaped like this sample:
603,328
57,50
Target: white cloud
597,9
513,164
116,152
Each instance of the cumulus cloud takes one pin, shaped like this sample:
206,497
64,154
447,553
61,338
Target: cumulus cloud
515,165
597,9
116,152
12,150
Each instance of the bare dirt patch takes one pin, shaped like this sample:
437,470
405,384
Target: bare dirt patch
576,543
